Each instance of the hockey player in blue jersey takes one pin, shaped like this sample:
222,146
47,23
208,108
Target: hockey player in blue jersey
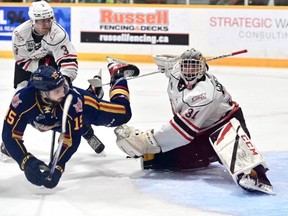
40,104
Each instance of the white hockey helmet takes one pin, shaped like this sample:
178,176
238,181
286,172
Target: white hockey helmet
40,10
193,66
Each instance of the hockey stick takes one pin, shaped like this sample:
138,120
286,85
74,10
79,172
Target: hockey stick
61,137
228,55
52,145
96,83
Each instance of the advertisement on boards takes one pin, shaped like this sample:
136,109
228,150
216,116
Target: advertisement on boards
266,32
11,17
150,26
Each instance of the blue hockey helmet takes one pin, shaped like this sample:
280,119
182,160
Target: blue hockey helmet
46,78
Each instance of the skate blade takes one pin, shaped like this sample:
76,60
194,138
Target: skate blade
260,187
96,82
101,154
4,158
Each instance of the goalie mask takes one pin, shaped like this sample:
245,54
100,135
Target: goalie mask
40,10
193,67
50,83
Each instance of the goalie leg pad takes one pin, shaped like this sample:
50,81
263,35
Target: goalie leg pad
235,149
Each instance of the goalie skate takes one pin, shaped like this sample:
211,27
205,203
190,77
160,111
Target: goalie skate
252,183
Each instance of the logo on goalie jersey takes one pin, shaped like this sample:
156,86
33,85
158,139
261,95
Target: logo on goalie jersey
199,97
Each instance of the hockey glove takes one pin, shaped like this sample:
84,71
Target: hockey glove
136,143
118,70
165,63
33,168
51,183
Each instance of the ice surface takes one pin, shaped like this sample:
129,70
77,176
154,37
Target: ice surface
114,185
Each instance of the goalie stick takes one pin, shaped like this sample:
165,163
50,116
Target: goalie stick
228,55
96,83
61,137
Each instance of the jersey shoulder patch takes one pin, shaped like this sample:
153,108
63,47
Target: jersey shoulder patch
22,32
56,35
24,98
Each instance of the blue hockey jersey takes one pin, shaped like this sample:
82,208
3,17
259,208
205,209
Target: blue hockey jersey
27,107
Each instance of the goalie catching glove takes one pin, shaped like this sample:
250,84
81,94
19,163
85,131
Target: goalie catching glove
136,143
166,63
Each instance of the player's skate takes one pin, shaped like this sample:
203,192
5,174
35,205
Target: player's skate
93,141
95,86
4,156
119,69
97,145
256,182
128,70
123,70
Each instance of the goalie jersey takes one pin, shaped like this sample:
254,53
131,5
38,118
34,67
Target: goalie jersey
28,50
195,111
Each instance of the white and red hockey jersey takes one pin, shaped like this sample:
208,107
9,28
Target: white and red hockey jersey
56,43
195,111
